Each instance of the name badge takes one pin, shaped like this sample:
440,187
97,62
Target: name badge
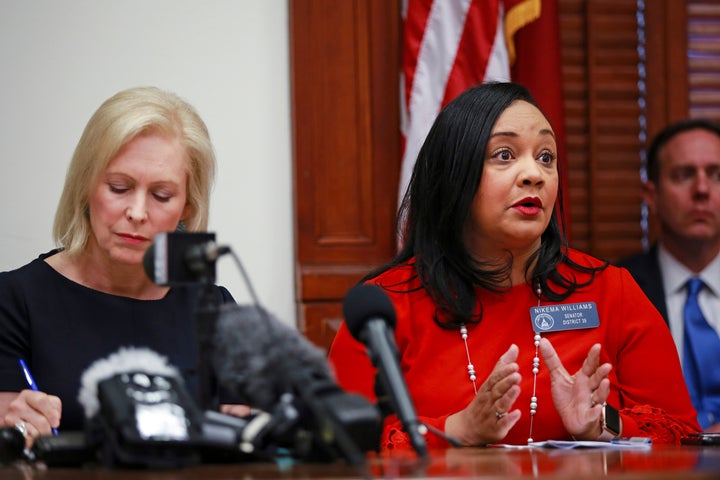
567,316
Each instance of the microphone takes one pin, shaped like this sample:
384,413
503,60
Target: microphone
271,366
188,258
252,346
370,318
182,258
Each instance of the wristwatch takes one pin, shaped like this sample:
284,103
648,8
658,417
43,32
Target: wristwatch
610,420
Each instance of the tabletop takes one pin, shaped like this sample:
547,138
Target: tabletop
657,462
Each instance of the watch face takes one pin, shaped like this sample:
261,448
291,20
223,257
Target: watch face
611,418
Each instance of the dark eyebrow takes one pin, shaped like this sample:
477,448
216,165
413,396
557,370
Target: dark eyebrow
547,131
503,134
544,131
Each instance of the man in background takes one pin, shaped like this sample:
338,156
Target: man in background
680,274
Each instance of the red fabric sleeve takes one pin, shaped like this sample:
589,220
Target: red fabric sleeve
653,401
360,379
647,385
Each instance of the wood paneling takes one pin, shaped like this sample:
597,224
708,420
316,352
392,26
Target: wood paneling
703,53
346,125
599,41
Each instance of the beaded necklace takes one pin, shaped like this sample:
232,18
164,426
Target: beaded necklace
535,368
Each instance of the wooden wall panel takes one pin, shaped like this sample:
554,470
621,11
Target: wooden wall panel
613,144
345,67
703,52
600,75
573,41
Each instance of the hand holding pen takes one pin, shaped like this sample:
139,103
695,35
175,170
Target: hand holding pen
33,386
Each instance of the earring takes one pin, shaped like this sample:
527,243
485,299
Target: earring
87,212
181,227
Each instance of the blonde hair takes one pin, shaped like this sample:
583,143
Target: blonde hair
116,122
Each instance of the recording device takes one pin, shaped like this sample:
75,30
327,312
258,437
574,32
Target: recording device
138,413
183,258
274,368
370,318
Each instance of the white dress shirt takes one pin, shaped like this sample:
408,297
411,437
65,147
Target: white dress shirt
675,275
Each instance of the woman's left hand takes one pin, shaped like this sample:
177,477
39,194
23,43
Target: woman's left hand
578,398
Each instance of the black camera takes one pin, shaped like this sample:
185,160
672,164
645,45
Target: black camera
182,258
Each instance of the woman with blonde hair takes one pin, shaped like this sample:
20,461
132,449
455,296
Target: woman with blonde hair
144,165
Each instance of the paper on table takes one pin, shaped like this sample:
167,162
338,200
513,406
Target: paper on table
629,444
632,443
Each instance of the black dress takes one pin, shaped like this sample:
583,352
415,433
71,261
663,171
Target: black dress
61,327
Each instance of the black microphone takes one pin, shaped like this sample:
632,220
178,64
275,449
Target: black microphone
251,348
370,318
188,258
182,258
271,366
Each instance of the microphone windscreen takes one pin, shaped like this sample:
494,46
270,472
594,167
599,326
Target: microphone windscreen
127,359
255,354
364,302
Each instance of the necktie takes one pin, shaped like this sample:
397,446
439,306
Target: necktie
701,358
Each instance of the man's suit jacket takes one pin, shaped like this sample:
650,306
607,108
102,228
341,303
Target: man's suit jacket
645,268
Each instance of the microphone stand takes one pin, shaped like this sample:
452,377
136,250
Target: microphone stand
206,316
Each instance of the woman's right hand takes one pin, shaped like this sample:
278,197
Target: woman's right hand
236,410
488,418
37,413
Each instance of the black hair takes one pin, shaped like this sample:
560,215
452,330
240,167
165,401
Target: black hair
667,134
438,202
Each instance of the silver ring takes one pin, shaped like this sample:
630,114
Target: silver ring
499,415
20,425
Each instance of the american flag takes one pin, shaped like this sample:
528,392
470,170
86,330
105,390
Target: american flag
452,45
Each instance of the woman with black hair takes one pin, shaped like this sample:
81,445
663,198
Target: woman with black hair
505,333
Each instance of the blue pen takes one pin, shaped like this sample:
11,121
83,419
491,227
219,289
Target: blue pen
31,382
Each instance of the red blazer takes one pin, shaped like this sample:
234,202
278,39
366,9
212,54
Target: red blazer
646,381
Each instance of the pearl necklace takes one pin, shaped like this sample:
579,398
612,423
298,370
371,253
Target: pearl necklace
535,367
